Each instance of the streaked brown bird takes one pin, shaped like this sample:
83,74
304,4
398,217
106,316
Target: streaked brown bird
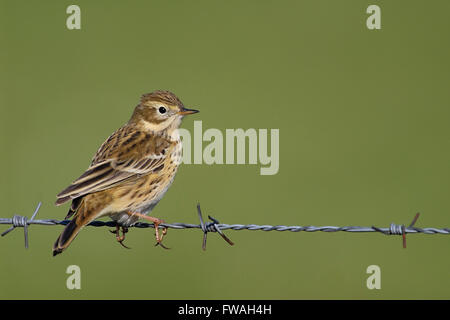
130,172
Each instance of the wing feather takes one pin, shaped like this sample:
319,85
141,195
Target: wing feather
113,167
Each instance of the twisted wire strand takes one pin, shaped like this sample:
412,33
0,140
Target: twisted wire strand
214,226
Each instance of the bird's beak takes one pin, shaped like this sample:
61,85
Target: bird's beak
186,111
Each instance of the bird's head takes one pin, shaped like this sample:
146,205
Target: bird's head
160,110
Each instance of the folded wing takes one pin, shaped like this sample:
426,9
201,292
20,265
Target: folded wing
114,170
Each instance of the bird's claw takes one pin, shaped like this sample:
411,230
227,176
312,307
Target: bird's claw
120,238
158,237
161,245
122,244
156,223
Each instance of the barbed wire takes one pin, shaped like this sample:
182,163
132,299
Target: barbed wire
214,226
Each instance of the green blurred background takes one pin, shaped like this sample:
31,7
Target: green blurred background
364,133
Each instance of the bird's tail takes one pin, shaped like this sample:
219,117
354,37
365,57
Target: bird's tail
82,217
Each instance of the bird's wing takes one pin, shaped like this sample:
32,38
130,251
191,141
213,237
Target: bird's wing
122,158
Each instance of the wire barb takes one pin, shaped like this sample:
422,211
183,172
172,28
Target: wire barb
395,229
215,226
21,221
210,227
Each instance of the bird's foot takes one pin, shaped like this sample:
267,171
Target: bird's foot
156,223
163,233
159,237
120,238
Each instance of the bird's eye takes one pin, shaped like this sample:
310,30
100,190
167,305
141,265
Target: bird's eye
162,110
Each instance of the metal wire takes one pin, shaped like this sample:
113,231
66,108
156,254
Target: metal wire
214,226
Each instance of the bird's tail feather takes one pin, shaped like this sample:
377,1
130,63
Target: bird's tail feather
82,218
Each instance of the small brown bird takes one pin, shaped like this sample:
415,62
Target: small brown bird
131,171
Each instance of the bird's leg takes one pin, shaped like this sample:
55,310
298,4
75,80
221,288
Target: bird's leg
120,238
116,232
156,222
164,232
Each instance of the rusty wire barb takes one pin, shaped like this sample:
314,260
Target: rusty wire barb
215,226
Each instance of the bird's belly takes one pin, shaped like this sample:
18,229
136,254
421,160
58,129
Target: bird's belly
124,219
142,197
